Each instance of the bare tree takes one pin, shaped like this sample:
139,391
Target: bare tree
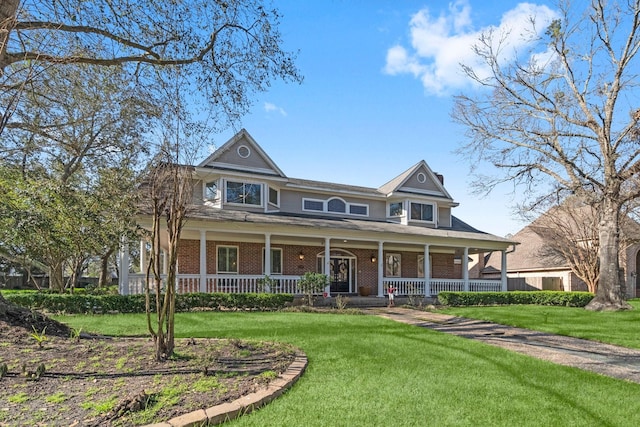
564,116
169,195
210,41
570,235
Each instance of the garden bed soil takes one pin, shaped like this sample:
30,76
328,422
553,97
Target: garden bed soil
59,381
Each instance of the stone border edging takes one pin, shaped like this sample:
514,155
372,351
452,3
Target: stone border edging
245,404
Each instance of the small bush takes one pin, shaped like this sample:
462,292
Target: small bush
558,298
312,283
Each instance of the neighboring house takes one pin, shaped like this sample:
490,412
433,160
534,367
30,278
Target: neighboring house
533,267
250,220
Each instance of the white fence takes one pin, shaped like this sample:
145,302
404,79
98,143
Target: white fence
239,284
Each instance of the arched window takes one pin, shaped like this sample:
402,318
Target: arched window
336,205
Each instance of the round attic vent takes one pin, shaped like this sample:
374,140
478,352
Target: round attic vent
421,178
243,151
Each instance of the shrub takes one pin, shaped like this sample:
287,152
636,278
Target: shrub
559,298
87,304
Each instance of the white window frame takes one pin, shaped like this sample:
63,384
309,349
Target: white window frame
387,271
358,205
272,251
433,212
237,248
226,183
313,200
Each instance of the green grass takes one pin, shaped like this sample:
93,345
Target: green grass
620,328
369,371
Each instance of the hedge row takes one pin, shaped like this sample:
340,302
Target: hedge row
568,299
86,304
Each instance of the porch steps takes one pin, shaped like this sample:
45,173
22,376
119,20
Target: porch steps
364,302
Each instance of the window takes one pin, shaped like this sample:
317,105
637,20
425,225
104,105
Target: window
421,212
395,209
273,196
276,260
244,193
336,205
211,190
393,264
243,151
313,205
227,259
359,210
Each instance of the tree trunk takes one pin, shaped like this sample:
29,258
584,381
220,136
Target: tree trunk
56,277
104,269
8,10
610,295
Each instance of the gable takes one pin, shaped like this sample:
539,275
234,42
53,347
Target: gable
418,179
421,180
242,153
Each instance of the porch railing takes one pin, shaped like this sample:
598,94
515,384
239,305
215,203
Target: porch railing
225,283
415,286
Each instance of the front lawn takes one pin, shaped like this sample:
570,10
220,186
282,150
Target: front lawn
369,371
620,328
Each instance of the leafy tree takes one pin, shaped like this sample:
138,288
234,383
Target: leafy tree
75,139
566,116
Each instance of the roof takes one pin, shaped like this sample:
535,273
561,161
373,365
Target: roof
459,229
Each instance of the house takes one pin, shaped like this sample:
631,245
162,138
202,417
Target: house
250,220
534,266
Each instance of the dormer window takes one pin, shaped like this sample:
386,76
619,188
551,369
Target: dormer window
422,212
244,193
395,209
274,196
211,190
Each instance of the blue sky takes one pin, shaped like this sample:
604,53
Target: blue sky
377,94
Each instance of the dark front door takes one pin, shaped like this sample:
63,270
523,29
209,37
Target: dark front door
340,274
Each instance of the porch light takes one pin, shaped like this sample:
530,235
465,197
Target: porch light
373,258
301,256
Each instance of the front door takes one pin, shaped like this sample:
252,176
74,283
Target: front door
340,276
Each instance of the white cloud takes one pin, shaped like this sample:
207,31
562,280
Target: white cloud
269,107
439,44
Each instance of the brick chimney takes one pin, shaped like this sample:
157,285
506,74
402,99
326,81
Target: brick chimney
440,178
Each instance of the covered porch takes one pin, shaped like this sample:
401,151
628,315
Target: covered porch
236,258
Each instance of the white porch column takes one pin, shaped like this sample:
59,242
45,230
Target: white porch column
465,269
327,264
267,254
427,272
503,271
143,256
381,269
203,261
123,266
